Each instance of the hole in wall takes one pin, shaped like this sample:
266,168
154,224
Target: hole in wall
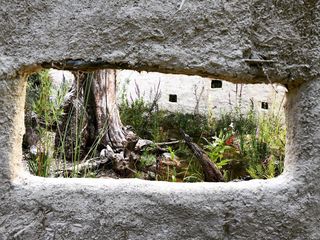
173,98
265,105
216,84
68,130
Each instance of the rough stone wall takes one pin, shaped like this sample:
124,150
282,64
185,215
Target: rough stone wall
191,90
217,38
207,38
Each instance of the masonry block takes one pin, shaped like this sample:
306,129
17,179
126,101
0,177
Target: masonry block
239,41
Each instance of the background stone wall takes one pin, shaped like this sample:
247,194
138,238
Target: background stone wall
191,90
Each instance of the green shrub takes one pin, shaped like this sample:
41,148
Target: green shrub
147,160
159,125
43,112
40,108
256,151
265,151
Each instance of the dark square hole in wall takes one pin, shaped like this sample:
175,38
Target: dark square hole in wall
264,105
173,98
216,84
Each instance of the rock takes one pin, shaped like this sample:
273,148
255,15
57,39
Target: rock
142,143
151,175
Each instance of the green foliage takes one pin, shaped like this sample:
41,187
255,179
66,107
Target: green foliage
39,105
265,150
135,114
39,164
193,172
172,154
147,160
217,149
90,174
182,151
256,150
197,125
242,123
138,174
260,141
33,91
173,175
46,109
159,125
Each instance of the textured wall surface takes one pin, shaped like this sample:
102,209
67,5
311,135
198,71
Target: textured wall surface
193,89
216,38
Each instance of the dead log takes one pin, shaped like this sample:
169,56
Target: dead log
80,169
151,147
161,144
210,170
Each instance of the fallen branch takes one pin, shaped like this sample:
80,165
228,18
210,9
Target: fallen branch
90,165
210,170
155,148
167,143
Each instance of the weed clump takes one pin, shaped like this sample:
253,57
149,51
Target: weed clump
43,112
243,145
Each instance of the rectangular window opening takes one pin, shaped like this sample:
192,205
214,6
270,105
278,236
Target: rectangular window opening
68,132
265,105
216,84
173,98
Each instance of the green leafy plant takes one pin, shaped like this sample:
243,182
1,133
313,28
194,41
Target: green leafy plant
217,148
39,164
174,175
43,104
193,172
45,111
147,159
265,151
172,154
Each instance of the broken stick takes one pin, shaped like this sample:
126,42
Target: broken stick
210,170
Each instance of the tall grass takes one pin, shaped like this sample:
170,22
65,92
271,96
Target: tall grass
265,151
45,110
45,106
258,145
243,145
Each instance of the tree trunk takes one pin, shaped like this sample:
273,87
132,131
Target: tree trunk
107,113
91,119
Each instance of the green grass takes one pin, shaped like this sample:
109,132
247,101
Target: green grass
45,111
242,145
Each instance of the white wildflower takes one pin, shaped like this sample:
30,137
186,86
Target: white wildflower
33,150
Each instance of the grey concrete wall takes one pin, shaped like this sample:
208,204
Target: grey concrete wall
211,38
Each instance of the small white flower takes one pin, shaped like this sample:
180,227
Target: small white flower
33,150
231,125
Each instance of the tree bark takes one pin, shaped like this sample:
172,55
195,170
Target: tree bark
107,113
210,170
92,116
